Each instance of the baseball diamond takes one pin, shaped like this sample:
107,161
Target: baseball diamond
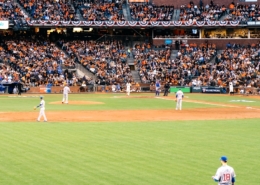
136,139
129,92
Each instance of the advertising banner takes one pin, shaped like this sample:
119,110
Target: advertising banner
167,41
4,25
45,90
196,89
211,89
183,89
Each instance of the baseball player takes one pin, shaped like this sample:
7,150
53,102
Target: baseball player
42,109
231,88
157,88
179,97
66,91
225,174
128,88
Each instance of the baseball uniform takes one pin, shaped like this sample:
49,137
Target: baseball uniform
157,88
231,88
225,174
179,97
66,91
42,110
128,88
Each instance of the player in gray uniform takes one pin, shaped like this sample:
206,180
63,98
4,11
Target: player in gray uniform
225,174
179,97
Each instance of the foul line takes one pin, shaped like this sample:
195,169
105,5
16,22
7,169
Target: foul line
231,106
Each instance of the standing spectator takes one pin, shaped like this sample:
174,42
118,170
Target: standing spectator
177,45
201,4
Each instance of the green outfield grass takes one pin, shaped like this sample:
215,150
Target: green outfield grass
125,153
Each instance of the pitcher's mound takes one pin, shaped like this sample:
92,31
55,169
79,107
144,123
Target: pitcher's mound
79,102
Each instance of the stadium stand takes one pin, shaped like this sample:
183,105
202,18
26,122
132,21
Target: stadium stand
10,10
100,11
240,64
243,12
49,10
196,12
37,62
132,48
188,64
107,60
150,12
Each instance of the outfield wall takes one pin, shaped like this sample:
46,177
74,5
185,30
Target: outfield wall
146,88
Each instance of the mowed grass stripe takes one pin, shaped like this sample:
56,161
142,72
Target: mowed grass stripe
49,159
47,155
53,138
132,153
110,103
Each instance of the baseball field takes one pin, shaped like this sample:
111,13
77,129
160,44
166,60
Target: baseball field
114,139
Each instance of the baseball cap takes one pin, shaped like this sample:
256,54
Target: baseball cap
41,97
223,158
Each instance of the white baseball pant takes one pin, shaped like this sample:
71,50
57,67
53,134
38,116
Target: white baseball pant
179,104
65,98
42,113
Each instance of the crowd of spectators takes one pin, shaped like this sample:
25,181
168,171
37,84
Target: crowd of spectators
238,64
113,11
37,62
107,60
243,12
194,66
149,61
99,11
8,74
191,61
10,10
150,12
49,10
194,12
215,12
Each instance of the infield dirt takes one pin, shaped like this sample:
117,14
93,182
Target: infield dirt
78,102
135,115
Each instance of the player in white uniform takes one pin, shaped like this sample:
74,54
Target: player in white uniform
42,110
179,97
225,174
66,91
231,88
128,88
